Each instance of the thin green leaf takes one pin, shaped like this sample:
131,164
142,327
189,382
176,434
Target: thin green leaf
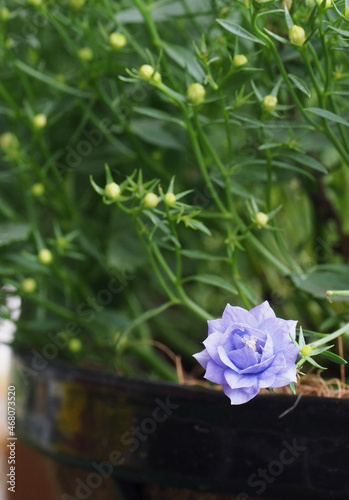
200,255
237,30
10,232
334,358
277,37
300,84
328,115
95,186
216,281
51,82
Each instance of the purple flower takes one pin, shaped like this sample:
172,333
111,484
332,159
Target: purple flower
248,350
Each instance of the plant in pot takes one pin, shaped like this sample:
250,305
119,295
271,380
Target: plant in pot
159,161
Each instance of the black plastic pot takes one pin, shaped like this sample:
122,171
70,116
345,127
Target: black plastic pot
163,433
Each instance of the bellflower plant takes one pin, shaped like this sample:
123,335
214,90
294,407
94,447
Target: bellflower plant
160,159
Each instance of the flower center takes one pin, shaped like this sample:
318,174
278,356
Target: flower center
251,343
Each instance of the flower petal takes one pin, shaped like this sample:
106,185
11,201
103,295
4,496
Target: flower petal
215,325
237,315
262,312
237,381
202,357
212,343
214,373
239,396
243,358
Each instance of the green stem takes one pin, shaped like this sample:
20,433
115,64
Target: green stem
332,336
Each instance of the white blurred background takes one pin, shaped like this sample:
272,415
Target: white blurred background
7,329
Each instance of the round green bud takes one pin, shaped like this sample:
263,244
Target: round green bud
239,60
297,35
4,14
75,345
112,191
37,189
306,350
326,6
269,103
77,4
149,73
196,93
28,285
45,257
151,200
262,219
8,141
170,199
117,41
39,121
85,54
62,242
346,13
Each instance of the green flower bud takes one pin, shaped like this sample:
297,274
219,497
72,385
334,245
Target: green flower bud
35,2
112,191
28,285
239,60
77,4
39,121
117,41
151,200
170,199
4,14
297,35
75,345
8,141
38,189
148,72
346,13
85,54
196,93
306,350
45,257
269,102
327,4
262,219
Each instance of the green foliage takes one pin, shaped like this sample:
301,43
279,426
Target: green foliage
259,203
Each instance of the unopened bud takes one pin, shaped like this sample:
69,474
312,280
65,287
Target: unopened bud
45,257
117,41
297,35
4,14
239,60
85,54
8,141
112,191
196,93
262,219
326,5
28,285
75,345
170,199
306,350
77,4
151,200
37,189
39,121
148,72
269,102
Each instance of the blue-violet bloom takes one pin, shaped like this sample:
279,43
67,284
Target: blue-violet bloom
246,351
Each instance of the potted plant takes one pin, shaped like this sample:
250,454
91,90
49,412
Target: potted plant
171,158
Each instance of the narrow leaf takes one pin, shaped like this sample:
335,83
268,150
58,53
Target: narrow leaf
237,30
300,84
328,115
